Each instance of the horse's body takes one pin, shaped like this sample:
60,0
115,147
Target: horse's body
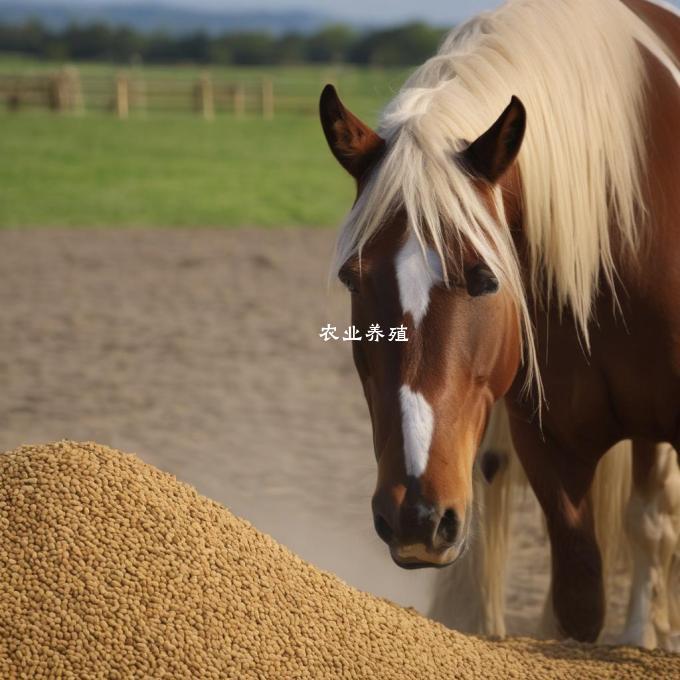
628,385
470,596
582,237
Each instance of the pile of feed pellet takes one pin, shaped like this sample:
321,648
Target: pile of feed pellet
111,568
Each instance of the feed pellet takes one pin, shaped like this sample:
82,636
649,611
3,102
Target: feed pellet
113,569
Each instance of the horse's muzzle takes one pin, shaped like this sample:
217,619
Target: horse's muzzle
418,534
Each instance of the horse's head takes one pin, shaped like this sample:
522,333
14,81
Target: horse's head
430,397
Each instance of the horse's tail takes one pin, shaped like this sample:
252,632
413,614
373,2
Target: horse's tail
610,492
500,480
470,596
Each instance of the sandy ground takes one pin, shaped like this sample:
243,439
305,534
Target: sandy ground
199,351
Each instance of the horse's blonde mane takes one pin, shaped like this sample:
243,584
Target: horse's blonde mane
577,68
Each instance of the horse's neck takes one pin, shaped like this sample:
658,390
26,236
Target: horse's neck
629,380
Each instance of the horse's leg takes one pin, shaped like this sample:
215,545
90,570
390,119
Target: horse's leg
652,521
609,493
561,480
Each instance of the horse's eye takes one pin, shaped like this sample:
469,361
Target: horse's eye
480,280
349,282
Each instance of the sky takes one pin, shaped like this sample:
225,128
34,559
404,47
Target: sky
383,11
379,11
441,12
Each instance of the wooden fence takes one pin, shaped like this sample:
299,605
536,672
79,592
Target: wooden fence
126,93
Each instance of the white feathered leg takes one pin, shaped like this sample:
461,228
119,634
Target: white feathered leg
653,525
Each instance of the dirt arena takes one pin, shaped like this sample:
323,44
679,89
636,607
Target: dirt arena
203,346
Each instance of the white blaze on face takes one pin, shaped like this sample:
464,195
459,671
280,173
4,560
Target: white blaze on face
417,424
416,275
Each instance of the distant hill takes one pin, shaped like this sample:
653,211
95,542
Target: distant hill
172,19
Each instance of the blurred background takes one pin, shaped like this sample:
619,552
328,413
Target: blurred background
167,204
255,70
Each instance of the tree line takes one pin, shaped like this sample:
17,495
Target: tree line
399,46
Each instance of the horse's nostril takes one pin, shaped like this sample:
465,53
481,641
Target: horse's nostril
383,529
448,527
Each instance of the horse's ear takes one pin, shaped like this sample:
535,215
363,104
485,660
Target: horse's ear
491,154
352,142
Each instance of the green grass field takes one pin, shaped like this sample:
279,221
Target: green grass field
177,169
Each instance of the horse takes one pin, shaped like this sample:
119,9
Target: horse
516,210
470,596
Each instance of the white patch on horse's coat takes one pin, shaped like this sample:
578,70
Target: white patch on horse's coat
653,522
417,424
646,532
416,274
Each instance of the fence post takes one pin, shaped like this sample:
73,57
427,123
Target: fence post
69,95
122,96
63,91
239,101
205,100
77,101
267,98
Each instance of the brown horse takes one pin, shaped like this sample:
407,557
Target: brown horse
644,526
533,255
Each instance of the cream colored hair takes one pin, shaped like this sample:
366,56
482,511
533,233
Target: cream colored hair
577,68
